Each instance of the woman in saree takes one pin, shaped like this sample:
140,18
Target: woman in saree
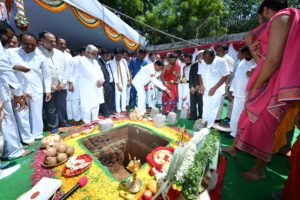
274,85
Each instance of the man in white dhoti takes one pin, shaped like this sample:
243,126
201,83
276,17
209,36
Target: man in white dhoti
238,88
184,82
12,144
55,109
122,80
30,120
222,51
180,85
213,73
90,84
142,78
61,45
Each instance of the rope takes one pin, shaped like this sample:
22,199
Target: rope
153,28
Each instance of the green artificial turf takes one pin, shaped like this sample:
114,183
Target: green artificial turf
234,187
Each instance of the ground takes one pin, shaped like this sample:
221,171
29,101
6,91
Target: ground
234,186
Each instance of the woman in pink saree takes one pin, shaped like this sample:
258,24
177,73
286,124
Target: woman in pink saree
273,86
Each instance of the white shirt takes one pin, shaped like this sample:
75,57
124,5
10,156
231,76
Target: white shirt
145,75
240,80
186,72
32,82
57,62
212,73
123,74
69,67
109,69
229,61
181,65
7,77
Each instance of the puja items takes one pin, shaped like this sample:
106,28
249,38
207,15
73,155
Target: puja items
159,120
50,140
172,118
199,125
154,111
134,184
57,154
135,115
106,124
76,165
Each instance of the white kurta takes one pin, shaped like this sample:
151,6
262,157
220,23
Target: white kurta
180,85
34,83
184,101
91,96
142,78
12,144
121,77
211,74
238,87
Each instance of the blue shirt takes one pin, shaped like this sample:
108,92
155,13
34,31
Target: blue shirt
135,66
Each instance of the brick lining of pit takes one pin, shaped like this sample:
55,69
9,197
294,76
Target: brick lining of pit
113,147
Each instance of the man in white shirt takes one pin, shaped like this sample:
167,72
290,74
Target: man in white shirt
122,79
61,45
34,83
55,109
222,51
12,143
142,78
213,73
184,82
90,83
238,88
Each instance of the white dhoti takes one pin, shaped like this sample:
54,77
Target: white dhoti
185,103
151,95
158,93
211,106
69,105
12,142
229,108
238,107
121,98
180,96
128,96
141,102
30,120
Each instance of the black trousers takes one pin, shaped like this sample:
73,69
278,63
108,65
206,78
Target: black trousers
56,110
196,99
107,107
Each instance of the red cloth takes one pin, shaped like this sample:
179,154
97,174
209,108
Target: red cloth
215,194
268,105
291,189
170,103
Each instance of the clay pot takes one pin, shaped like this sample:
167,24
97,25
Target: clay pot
70,151
51,152
61,157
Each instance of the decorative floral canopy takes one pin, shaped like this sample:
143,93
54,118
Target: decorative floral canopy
81,23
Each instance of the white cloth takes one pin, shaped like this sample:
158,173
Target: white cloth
91,96
238,107
233,53
146,75
121,77
211,106
7,172
212,73
240,80
38,79
12,143
57,61
181,66
184,89
229,61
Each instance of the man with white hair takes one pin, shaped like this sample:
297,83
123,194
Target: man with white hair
90,84
56,108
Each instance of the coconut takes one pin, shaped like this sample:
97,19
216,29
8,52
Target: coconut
51,160
61,157
152,186
61,148
51,152
70,151
56,137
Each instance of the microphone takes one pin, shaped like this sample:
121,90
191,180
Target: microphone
81,183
